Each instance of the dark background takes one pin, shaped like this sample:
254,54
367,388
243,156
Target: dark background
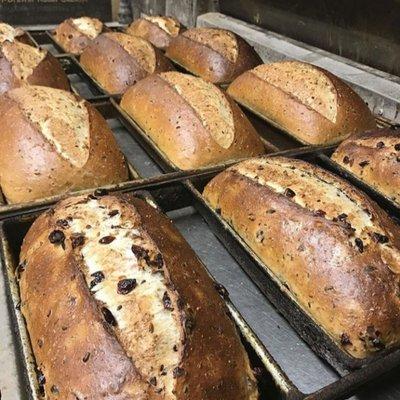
365,31
30,12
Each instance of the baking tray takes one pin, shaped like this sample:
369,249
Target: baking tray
12,232
279,294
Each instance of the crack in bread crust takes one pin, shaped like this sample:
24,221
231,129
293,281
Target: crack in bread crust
167,24
9,33
90,27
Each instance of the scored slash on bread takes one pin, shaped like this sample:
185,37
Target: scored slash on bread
130,311
216,55
117,61
9,33
306,101
374,157
56,143
191,121
158,30
335,249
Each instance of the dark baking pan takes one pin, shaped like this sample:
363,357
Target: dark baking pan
273,383
280,296
45,40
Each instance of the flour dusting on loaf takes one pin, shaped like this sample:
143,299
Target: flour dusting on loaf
61,118
220,40
210,104
23,58
308,84
138,48
90,27
167,24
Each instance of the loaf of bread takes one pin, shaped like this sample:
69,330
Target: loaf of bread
306,101
21,64
374,157
8,32
130,311
54,142
216,55
158,30
190,120
334,249
117,60
75,34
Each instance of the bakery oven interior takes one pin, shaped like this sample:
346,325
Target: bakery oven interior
292,356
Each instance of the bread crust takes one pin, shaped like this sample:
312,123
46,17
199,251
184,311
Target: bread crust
213,363
33,168
201,60
153,33
296,117
114,68
175,127
48,72
334,249
71,39
374,158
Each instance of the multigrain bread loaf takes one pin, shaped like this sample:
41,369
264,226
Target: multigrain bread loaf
158,30
54,142
117,60
8,32
21,64
216,55
306,101
334,249
374,157
130,312
75,34
192,121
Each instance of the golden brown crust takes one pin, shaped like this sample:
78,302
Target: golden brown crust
107,61
33,168
83,354
16,72
159,31
176,120
308,102
374,157
73,39
216,55
336,250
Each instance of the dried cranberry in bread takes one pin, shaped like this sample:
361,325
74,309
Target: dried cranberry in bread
75,34
306,101
54,142
117,60
335,249
192,121
21,64
130,311
158,30
374,157
216,55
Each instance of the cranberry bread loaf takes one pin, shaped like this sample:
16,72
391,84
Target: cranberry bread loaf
216,55
158,30
117,60
306,101
75,34
54,142
374,157
192,121
334,249
130,311
21,64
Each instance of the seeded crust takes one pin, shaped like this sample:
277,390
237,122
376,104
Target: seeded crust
49,152
192,121
216,55
117,61
72,38
307,101
158,30
21,64
335,249
88,336
374,157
